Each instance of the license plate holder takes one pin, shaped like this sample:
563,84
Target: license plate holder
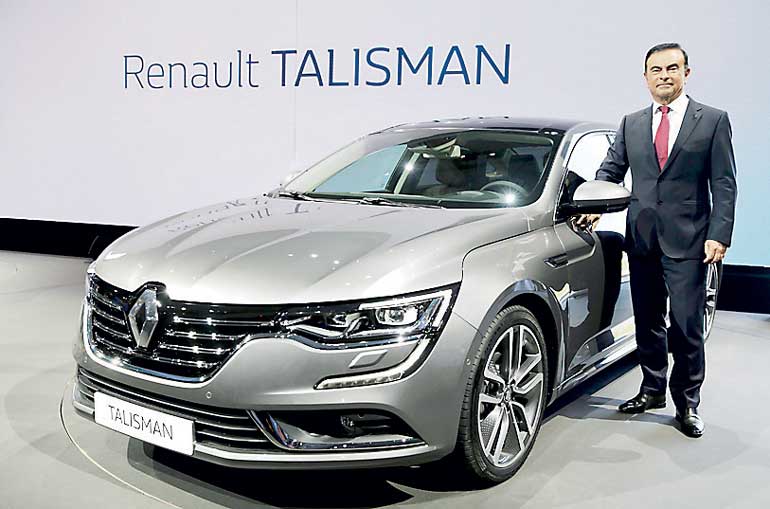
158,428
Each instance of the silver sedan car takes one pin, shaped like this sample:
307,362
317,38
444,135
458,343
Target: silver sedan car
421,294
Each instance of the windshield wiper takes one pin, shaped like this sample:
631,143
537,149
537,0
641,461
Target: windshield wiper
366,200
294,195
378,200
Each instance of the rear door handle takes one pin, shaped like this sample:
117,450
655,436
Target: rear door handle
557,261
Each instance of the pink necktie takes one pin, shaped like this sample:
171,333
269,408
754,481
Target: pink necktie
661,138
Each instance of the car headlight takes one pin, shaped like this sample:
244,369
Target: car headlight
365,324
418,318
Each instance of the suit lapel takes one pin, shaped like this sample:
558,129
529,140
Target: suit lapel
647,143
691,117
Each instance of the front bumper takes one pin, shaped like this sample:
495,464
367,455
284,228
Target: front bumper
273,376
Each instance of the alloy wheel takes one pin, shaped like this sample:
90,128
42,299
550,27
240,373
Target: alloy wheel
712,287
510,397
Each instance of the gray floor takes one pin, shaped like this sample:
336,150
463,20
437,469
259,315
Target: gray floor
587,455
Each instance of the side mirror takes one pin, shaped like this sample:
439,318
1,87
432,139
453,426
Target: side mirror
598,197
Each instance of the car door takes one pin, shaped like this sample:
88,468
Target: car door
599,303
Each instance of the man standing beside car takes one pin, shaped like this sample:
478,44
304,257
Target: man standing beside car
679,220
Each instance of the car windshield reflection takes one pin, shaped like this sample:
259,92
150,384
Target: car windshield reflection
471,169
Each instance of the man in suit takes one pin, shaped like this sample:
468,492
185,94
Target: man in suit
680,218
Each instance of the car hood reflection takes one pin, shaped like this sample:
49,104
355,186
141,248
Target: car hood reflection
265,250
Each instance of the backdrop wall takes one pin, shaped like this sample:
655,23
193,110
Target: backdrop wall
124,113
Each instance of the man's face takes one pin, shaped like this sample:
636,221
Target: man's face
666,75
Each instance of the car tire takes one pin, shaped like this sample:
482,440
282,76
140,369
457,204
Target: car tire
483,448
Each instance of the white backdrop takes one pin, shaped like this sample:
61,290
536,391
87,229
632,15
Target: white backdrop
81,141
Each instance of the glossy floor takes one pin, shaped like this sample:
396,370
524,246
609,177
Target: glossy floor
587,454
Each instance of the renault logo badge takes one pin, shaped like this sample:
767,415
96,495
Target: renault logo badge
143,317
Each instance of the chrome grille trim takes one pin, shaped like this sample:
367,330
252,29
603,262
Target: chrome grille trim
192,341
100,384
126,350
222,323
203,335
225,432
181,362
88,395
229,429
110,330
192,349
107,316
232,438
131,352
106,301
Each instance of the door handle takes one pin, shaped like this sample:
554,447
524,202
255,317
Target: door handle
557,261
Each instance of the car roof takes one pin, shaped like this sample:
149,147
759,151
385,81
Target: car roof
506,122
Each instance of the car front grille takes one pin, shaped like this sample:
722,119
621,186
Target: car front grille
191,341
222,428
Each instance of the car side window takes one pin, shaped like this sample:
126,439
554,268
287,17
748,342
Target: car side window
588,154
585,159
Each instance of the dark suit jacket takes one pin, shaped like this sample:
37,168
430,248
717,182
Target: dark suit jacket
692,199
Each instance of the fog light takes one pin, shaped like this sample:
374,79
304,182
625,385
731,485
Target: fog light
348,424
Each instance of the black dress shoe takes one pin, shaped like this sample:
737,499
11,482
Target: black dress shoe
642,402
690,423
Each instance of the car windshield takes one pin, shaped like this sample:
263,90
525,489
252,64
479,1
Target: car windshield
445,167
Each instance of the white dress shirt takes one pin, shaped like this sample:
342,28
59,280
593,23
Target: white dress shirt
676,113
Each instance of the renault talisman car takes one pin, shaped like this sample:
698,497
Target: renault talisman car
422,293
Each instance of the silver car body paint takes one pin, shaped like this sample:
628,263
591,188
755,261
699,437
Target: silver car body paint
280,251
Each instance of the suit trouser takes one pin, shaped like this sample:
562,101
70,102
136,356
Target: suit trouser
654,277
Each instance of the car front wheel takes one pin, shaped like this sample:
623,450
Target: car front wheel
505,397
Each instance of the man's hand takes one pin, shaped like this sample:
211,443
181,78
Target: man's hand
715,251
587,220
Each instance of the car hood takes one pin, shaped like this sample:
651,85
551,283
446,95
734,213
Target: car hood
275,250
